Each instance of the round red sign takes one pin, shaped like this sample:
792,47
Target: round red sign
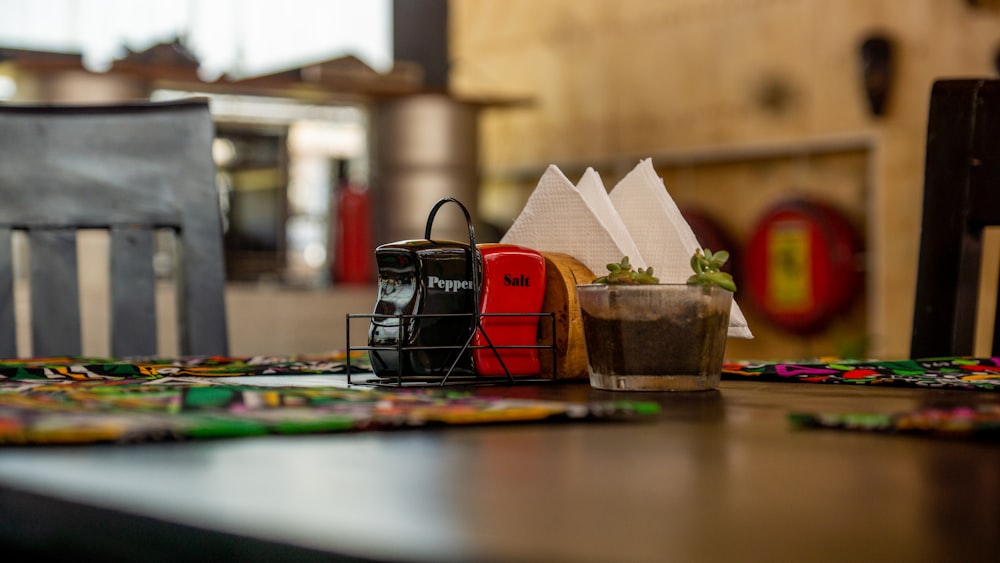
803,266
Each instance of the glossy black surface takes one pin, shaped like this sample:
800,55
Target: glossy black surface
428,278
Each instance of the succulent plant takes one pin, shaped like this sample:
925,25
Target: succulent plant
622,273
706,272
706,269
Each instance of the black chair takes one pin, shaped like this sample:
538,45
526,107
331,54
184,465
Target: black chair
961,199
131,169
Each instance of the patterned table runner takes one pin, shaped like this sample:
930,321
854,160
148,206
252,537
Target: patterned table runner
84,400
978,421
973,374
974,419
976,374
92,400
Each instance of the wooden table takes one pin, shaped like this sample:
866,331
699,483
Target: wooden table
718,476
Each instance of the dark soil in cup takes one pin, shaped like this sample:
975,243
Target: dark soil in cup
681,343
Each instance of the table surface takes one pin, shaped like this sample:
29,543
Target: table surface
718,475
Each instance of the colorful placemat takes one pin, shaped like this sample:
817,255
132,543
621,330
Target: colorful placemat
84,400
89,400
973,374
980,421
87,368
977,374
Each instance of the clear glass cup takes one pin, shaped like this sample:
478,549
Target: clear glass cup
662,337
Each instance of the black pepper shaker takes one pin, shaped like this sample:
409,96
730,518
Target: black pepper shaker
426,297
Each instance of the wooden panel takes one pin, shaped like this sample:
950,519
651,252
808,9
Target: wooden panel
55,300
8,328
615,82
133,292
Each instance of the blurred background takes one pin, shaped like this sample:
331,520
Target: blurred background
789,131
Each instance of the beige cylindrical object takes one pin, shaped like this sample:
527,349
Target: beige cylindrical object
426,149
562,273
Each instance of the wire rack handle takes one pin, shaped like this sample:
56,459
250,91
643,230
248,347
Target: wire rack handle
472,239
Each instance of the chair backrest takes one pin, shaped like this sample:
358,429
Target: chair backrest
130,169
961,199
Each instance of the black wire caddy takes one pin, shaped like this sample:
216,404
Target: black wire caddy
444,373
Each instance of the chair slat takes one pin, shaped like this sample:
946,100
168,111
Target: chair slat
202,317
55,295
8,326
133,292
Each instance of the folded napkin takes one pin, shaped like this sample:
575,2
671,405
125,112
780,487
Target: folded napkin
560,217
661,233
638,219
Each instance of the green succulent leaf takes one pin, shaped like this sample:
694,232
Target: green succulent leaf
622,273
696,262
721,279
706,265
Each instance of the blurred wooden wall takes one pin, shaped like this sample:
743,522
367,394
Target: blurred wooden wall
740,103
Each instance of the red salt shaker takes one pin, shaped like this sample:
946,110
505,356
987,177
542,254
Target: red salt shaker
513,282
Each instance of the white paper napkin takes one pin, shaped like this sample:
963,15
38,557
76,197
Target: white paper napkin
559,218
638,219
596,196
662,235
